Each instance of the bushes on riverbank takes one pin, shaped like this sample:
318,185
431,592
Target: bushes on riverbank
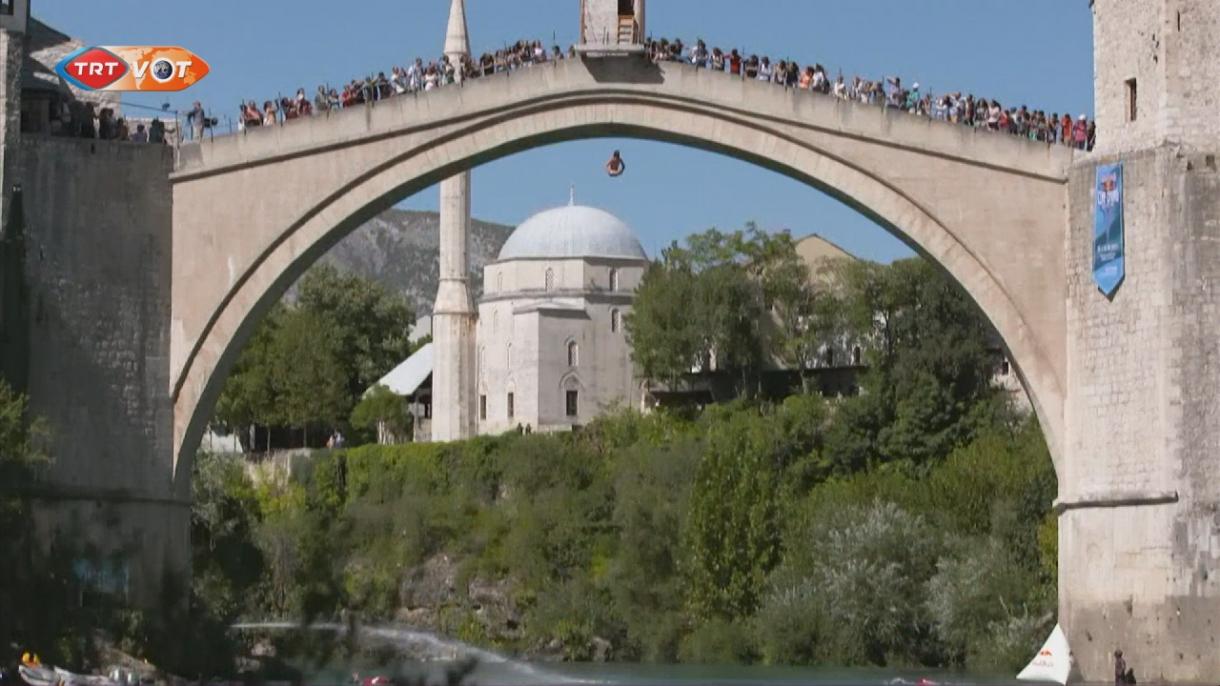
717,538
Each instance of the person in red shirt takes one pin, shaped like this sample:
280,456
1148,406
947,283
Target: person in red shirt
735,63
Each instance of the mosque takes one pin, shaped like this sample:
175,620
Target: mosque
551,351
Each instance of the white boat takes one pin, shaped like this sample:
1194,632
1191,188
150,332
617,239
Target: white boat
38,676
1053,663
67,678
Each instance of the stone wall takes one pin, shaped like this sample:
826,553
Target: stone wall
1170,48
1140,540
98,248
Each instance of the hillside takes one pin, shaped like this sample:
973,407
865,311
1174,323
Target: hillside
399,248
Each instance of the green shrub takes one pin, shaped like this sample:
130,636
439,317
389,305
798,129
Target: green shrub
720,642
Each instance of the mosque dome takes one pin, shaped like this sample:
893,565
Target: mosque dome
573,231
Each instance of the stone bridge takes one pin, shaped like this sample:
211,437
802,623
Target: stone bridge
146,275
258,209
1126,387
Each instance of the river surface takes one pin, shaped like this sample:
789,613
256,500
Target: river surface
430,656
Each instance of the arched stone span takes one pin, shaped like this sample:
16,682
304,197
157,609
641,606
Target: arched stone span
989,209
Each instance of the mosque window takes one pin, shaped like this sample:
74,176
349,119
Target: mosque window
500,282
512,410
615,321
483,407
550,279
573,354
508,356
613,279
481,362
572,403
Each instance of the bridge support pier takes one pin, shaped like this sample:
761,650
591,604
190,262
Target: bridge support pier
1139,525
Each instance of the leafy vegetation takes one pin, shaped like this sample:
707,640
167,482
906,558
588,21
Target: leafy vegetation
909,525
666,538
308,364
734,301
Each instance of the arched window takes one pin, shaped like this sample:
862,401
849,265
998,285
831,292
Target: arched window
856,356
613,279
481,361
500,282
573,354
615,321
508,356
550,279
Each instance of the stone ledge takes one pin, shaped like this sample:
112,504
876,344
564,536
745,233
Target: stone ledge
1115,499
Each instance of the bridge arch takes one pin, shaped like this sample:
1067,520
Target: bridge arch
990,210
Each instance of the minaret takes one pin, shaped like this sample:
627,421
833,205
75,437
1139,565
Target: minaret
453,316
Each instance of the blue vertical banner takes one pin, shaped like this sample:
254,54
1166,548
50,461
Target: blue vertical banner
1108,249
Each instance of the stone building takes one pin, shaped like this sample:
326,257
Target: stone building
552,350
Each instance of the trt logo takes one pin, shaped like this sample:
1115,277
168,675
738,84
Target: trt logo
132,68
94,69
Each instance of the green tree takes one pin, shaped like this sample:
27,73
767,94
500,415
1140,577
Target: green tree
664,343
307,374
21,458
310,362
652,486
977,587
863,571
929,361
249,395
741,299
372,324
385,412
733,534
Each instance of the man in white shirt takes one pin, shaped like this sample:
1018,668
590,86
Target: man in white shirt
415,75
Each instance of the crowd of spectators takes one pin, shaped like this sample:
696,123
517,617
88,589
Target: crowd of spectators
79,119
415,78
957,107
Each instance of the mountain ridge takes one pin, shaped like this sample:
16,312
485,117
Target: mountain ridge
400,249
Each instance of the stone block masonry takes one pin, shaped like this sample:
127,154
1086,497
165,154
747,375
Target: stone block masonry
1143,436
98,247
1167,48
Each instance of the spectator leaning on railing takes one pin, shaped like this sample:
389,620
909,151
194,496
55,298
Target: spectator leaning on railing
956,108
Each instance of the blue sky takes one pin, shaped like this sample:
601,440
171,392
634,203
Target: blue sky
1037,52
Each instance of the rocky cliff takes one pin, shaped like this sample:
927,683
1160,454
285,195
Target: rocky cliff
399,248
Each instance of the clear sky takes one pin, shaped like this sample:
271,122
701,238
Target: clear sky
1038,52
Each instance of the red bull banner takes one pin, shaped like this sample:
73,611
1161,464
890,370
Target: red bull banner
141,68
1109,268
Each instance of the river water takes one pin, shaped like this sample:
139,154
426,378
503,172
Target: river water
430,656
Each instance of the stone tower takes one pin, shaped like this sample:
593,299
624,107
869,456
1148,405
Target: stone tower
611,26
453,315
1139,529
14,321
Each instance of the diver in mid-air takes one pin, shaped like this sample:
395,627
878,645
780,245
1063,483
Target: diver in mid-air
616,166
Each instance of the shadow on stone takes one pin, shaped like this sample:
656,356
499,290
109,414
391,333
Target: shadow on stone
634,69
